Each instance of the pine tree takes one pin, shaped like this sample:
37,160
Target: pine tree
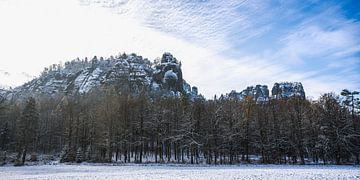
2,157
79,155
27,130
64,153
4,129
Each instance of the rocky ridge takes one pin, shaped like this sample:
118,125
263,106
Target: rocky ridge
131,73
260,93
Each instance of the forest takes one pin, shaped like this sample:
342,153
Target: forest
117,126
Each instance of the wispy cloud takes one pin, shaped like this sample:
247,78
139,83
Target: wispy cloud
224,45
251,42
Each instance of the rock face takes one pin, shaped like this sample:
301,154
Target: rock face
168,75
286,90
3,92
130,73
260,93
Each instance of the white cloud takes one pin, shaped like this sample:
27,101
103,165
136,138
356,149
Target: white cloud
314,41
35,34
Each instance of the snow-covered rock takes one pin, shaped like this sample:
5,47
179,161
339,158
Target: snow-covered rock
90,80
259,93
286,90
3,92
168,74
125,72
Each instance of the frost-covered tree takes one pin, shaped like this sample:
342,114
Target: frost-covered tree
352,102
335,130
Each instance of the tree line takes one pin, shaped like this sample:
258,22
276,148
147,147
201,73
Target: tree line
108,126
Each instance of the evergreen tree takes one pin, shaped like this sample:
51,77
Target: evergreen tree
27,129
79,155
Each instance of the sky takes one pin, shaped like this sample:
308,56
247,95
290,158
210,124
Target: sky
223,45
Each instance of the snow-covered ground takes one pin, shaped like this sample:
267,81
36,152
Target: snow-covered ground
179,172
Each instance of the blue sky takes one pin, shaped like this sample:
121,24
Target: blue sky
224,45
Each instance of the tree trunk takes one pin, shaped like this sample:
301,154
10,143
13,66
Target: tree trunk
23,156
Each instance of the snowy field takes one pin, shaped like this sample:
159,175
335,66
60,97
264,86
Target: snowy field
179,172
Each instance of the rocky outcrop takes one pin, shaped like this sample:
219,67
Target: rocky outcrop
168,74
131,73
3,92
259,93
286,90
